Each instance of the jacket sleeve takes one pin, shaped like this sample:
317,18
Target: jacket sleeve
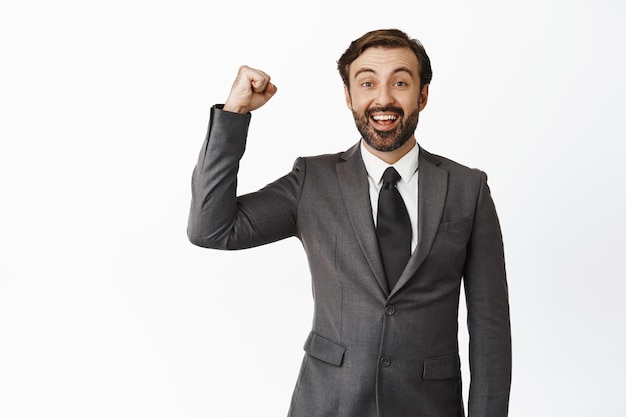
218,218
487,313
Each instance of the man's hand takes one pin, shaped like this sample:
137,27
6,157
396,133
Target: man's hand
252,89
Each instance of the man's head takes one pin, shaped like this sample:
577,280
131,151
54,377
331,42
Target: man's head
386,38
386,76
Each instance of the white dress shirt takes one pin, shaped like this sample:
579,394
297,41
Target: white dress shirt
407,185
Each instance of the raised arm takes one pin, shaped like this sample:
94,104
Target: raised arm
218,218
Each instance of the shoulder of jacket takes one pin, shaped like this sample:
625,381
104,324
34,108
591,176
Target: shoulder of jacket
453,167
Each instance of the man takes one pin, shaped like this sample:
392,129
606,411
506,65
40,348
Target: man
384,337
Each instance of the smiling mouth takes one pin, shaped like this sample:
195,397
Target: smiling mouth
381,117
384,121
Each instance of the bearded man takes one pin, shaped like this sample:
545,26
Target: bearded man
390,230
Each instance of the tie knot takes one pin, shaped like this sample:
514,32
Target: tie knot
390,176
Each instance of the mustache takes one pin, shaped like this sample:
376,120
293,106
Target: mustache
387,109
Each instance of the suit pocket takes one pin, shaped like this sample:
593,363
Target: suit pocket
324,349
442,367
460,224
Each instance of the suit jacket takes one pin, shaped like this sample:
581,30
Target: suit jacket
373,351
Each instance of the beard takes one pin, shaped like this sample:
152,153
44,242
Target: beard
386,140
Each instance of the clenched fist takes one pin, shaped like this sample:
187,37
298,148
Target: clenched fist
252,89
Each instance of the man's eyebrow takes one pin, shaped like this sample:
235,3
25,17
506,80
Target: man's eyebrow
397,70
362,70
403,69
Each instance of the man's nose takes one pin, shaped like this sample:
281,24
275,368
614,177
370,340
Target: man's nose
384,96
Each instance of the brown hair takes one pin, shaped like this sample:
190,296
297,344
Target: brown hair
388,38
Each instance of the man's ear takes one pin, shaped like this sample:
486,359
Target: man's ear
346,91
423,97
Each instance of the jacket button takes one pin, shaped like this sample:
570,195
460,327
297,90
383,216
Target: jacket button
390,310
385,361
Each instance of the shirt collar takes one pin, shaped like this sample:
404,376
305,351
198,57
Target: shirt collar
406,166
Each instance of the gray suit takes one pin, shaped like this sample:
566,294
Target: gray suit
373,351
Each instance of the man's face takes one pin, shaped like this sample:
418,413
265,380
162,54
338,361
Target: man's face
385,96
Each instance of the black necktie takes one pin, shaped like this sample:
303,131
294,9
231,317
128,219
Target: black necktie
393,228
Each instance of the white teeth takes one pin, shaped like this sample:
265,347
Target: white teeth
385,117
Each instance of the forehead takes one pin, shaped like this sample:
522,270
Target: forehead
383,61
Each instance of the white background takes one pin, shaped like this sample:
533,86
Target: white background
107,310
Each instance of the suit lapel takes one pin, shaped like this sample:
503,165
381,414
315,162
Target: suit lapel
432,190
355,190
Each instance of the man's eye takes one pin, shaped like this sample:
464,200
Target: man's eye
400,84
366,84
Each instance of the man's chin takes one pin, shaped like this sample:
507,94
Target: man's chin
383,144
